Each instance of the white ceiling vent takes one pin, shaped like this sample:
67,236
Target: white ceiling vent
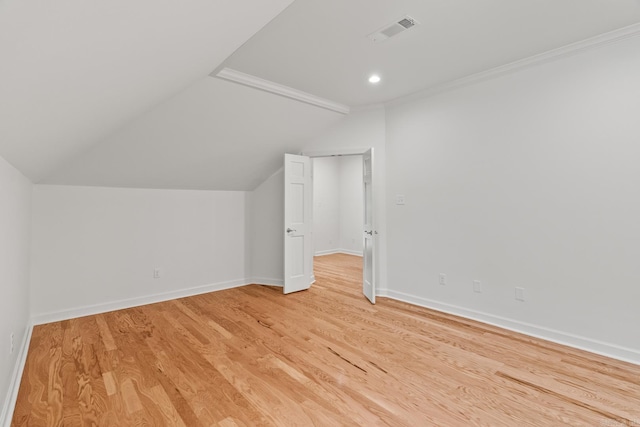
391,30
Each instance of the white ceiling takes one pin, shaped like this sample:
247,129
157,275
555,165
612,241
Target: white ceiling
115,92
74,71
320,46
215,135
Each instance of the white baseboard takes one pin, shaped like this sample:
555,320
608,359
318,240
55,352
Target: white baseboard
350,252
14,385
273,282
338,251
89,310
267,281
576,341
328,252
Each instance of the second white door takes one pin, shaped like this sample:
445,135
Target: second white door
298,256
368,250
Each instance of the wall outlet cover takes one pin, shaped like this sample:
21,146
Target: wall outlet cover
477,286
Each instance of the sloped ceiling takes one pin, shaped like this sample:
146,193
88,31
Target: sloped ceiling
74,71
215,135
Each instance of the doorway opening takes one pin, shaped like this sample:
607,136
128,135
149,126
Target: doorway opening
298,222
338,219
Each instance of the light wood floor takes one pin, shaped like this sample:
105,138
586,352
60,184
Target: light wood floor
252,356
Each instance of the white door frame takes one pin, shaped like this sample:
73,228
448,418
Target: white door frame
336,153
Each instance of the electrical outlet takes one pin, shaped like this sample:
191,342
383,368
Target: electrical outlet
477,286
520,294
443,279
156,273
12,347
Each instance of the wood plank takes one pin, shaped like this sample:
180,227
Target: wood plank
105,333
171,416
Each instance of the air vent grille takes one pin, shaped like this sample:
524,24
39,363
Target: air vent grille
388,31
407,22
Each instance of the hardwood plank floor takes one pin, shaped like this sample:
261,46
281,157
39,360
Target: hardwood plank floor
253,356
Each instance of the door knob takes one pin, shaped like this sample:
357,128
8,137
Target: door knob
289,230
370,233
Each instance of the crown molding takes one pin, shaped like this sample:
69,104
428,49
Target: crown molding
551,55
278,89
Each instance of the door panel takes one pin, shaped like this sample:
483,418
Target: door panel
369,253
298,259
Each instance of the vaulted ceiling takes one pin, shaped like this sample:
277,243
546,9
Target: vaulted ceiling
117,93
213,135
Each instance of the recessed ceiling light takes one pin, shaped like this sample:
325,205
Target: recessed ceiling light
374,79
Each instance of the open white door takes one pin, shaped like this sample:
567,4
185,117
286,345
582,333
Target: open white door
368,253
298,259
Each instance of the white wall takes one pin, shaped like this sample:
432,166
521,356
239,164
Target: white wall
97,248
267,231
326,205
359,131
351,204
528,180
15,216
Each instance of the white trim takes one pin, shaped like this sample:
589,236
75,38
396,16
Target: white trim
551,55
267,281
338,251
282,90
14,386
383,293
576,341
327,252
335,152
89,310
350,252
